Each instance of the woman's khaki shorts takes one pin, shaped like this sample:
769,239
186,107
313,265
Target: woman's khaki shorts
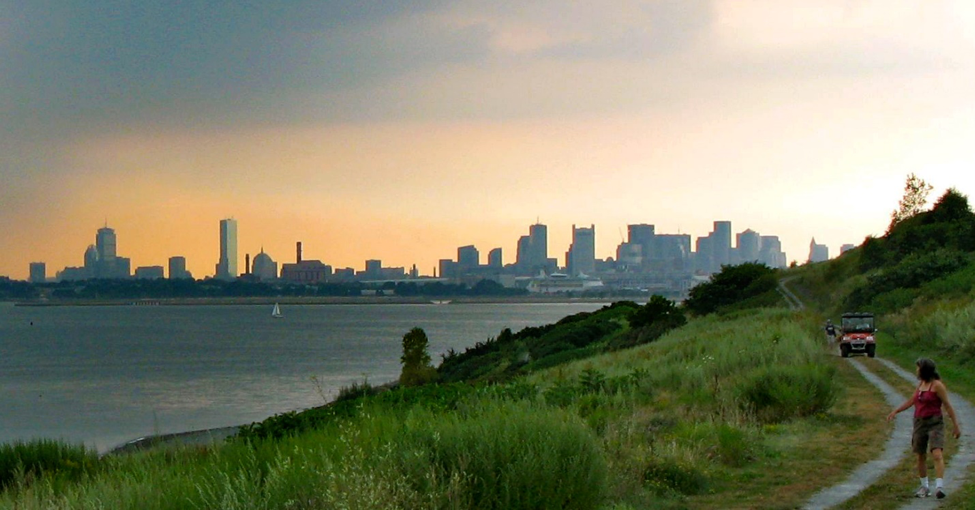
929,433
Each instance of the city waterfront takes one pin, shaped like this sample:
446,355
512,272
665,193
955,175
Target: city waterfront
104,375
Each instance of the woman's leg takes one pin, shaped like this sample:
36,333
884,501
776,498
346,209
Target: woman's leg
939,462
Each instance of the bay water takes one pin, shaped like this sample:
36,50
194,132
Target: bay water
103,375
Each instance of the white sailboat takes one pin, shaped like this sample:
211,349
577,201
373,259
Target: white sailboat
276,313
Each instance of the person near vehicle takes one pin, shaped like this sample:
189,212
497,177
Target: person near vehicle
830,330
928,400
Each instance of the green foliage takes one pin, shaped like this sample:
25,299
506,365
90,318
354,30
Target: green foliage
668,474
776,393
730,285
417,369
44,458
909,273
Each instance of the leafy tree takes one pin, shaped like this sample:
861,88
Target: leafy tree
915,196
730,285
658,309
417,369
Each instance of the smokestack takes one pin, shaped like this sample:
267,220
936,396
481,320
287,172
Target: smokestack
299,252
247,263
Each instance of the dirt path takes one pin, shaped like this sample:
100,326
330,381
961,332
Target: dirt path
957,466
895,449
898,444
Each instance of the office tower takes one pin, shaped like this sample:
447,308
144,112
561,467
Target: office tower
38,272
105,242
177,268
374,269
227,266
749,245
265,268
847,247
494,258
581,257
818,252
91,261
722,244
523,255
468,257
537,246
771,252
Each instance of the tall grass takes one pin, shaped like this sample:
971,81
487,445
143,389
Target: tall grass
498,455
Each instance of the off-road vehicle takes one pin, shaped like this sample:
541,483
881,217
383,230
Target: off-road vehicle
857,334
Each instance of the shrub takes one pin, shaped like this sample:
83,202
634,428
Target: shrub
779,393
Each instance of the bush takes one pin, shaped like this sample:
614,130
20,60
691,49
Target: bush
779,393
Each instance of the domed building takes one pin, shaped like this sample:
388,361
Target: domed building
264,268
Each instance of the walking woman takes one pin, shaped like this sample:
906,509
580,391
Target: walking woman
929,426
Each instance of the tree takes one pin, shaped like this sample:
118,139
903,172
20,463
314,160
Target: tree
417,369
915,196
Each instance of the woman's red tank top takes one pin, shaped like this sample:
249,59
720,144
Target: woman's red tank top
926,403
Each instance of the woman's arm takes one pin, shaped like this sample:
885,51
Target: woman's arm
905,405
942,391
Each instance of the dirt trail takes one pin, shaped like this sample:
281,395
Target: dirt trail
895,449
898,444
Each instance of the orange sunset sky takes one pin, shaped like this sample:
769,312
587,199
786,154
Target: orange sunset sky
402,130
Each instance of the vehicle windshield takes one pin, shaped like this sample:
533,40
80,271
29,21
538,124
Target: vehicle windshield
858,325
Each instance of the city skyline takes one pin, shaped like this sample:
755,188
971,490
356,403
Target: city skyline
403,130
530,259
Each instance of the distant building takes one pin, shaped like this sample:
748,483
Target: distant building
177,269
494,258
581,257
468,258
38,272
149,272
532,253
227,266
374,270
265,268
818,252
749,245
847,247
771,253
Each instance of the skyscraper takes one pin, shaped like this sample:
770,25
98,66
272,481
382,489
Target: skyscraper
105,243
468,257
227,266
537,246
38,272
581,257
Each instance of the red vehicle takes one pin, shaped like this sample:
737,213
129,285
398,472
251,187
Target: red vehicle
857,335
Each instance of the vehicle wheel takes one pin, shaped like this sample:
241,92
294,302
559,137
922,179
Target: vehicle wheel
871,351
845,350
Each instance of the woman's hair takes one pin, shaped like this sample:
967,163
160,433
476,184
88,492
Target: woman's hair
926,370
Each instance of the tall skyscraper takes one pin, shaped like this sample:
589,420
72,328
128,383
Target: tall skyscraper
722,244
749,245
537,246
227,266
38,272
105,243
818,252
581,257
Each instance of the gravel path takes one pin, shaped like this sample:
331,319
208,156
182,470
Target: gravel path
894,450
957,466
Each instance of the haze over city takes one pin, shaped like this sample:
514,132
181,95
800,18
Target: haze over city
402,130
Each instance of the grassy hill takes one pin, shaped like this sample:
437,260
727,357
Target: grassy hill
728,401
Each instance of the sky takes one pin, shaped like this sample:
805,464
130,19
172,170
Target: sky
402,130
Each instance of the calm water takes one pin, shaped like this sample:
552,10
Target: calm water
105,375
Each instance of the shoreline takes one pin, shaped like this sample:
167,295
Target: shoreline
319,300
